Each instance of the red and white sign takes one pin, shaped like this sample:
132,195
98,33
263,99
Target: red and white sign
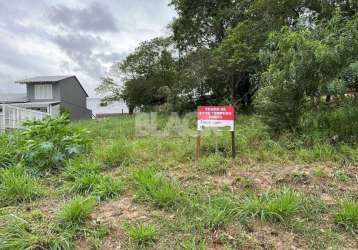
216,116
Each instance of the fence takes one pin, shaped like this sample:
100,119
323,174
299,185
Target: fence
12,117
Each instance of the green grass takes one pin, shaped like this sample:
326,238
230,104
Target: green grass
272,206
81,166
120,153
142,234
76,211
16,233
155,188
213,164
217,211
347,215
16,185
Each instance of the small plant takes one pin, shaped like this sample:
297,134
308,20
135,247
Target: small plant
157,189
191,244
119,153
48,143
320,172
108,188
217,211
347,215
16,233
103,187
274,206
214,164
142,234
80,166
16,185
76,211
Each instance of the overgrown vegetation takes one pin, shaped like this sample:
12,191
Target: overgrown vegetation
159,197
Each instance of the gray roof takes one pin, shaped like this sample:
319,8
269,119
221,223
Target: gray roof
13,98
44,79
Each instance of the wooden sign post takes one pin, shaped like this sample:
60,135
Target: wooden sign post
218,117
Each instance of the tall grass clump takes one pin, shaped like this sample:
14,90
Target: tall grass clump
347,215
16,233
142,234
9,155
76,211
118,154
49,143
214,164
16,185
155,188
81,166
273,206
216,211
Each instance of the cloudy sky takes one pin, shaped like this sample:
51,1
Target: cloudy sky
73,37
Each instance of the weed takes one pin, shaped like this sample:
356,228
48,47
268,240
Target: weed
191,244
81,166
217,211
320,172
16,185
341,176
142,234
273,206
108,188
119,153
16,233
347,215
76,211
155,188
213,164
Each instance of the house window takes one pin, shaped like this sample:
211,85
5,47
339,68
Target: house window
43,91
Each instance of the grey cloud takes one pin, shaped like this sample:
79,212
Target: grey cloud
96,17
80,48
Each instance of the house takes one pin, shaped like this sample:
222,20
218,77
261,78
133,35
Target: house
101,109
52,94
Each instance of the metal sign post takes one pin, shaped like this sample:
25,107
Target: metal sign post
217,117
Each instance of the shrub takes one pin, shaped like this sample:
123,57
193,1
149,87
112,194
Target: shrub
157,189
339,123
76,211
16,233
213,164
273,206
347,215
16,185
48,143
142,234
119,153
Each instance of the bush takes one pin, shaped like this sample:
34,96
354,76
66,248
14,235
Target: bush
16,185
142,234
274,206
8,150
48,143
347,215
16,233
157,189
76,211
333,124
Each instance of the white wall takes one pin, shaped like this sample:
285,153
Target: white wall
112,108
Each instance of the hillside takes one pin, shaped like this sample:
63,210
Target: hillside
129,192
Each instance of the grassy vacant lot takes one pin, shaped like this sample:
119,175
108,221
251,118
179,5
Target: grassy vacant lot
148,192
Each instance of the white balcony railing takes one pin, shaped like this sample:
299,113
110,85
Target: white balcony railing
12,117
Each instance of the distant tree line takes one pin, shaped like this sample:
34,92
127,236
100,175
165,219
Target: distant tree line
280,58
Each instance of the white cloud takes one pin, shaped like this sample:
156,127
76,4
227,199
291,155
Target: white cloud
78,37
